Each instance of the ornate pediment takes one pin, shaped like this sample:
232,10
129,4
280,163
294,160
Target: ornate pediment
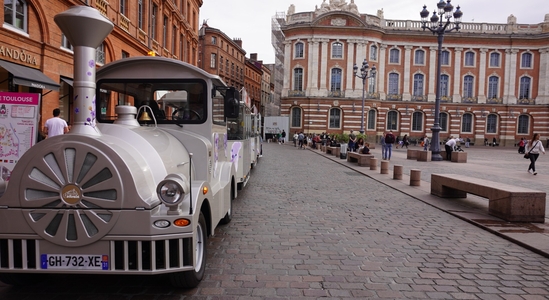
337,5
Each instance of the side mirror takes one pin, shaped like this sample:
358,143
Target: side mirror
232,103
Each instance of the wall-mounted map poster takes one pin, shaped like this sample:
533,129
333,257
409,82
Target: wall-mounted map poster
18,128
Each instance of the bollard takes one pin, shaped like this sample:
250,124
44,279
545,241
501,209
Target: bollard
415,177
397,172
384,167
373,163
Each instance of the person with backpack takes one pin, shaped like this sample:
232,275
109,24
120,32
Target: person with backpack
389,141
521,145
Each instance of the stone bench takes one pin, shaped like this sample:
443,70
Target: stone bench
363,160
508,202
424,155
333,151
459,157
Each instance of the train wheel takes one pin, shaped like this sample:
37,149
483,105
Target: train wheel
191,279
229,216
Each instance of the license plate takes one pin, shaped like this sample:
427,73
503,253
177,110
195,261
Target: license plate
74,262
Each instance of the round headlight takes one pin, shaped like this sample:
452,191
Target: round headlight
161,223
172,189
170,192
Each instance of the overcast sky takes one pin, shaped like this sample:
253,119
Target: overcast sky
250,20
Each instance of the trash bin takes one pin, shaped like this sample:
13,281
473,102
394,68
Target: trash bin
343,151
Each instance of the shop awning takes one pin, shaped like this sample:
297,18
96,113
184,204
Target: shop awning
67,80
29,77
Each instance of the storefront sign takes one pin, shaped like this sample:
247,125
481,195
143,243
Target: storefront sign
18,55
18,128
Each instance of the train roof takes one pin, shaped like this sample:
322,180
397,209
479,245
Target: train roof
153,67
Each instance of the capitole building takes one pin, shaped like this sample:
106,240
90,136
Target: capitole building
494,77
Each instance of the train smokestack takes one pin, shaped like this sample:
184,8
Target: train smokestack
85,28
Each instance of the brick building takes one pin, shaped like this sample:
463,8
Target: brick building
35,57
495,77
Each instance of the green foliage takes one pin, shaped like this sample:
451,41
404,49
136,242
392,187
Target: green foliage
344,137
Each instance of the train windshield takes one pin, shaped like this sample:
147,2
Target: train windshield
163,101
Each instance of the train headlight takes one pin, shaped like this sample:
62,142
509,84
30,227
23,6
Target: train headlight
172,189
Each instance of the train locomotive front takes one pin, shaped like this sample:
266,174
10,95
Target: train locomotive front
138,191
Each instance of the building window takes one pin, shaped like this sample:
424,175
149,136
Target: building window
123,7
165,32
214,40
15,14
445,58
335,118
371,119
419,58
523,124
493,84
468,86
140,14
153,21
336,80
296,117
470,58
393,84
299,53
525,84
100,54
467,123
174,38
65,43
444,83
443,122
491,123
337,50
373,52
494,59
526,61
371,85
417,121
392,120
125,54
213,60
298,79
394,56
418,85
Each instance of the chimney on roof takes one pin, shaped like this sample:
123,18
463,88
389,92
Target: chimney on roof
238,42
253,56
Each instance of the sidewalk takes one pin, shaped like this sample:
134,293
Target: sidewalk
503,165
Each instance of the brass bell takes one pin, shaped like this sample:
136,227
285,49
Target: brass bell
145,116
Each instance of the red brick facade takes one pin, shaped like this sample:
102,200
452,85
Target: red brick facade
39,39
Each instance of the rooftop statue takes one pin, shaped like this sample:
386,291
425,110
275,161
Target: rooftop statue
336,5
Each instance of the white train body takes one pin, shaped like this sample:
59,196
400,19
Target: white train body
118,195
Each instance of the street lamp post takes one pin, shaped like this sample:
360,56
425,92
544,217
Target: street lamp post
364,75
439,24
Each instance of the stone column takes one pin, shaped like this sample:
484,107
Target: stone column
315,66
350,63
456,96
482,76
287,70
509,82
381,71
432,73
543,89
360,56
406,95
323,67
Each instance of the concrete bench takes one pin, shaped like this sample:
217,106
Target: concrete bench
333,151
459,157
363,160
508,202
411,154
424,155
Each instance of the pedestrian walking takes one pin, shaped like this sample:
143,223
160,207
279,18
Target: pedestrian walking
467,142
405,141
383,146
389,141
426,143
533,148
296,136
282,137
55,126
352,141
521,145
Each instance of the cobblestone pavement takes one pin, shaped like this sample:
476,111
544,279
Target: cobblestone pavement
306,227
